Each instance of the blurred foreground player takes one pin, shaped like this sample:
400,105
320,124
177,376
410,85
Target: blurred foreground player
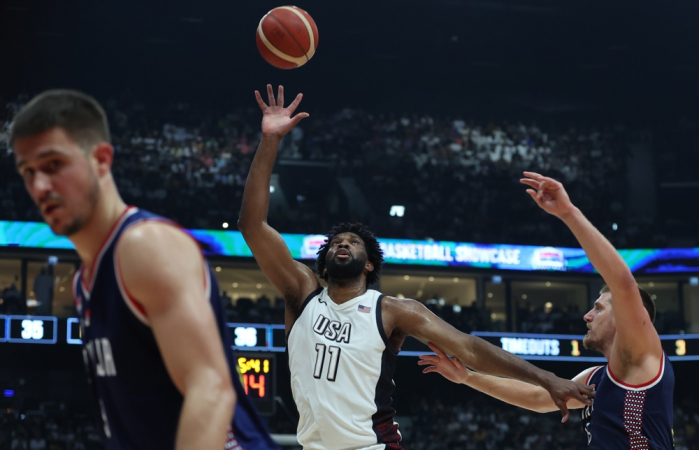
632,408
343,340
155,343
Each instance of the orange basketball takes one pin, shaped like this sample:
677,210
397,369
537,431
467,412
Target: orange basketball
287,37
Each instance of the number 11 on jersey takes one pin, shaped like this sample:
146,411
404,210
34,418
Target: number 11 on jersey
334,352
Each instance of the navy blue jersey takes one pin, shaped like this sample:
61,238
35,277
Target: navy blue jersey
138,402
630,417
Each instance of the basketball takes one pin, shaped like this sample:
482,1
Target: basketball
287,37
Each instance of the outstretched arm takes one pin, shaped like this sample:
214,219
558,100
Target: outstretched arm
414,319
636,338
291,278
514,392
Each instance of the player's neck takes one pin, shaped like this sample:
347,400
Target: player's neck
88,241
345,290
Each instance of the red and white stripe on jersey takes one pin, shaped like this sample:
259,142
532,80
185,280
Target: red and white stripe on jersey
94,267
639,387
592,372
634,401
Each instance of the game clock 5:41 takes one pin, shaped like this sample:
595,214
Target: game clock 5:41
258,376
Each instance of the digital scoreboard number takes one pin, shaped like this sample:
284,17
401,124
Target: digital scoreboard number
31,329
249,336
258,377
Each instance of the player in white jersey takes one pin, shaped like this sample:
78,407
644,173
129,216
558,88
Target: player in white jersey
343,340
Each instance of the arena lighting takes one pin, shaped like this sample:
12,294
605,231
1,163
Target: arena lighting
225,225
271,189
457,308
8,393
497,279
615,227
694,281
397,211
53,260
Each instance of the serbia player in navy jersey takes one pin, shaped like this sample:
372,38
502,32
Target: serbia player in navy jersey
632,408
343,340
154,338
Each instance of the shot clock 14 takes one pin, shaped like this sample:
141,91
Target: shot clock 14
258,376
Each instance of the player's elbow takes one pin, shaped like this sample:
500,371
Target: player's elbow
213,388
626,283
227,396
247,225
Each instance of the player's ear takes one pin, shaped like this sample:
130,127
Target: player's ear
103,155
369,266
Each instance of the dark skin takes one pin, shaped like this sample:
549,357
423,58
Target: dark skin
401,317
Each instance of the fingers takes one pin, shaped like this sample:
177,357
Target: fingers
533,194
297,118
425,361
429,369
292,107
564,410
566,415
270,96
280,96
530,182
260,102
533,175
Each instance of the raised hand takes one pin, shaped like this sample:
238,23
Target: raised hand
548,193
277,120
450,368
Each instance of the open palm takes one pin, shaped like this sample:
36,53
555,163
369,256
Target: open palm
277,120
548,193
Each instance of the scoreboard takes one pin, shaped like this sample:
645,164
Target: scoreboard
552,347
265,339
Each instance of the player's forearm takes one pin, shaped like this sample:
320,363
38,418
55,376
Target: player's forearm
206,414
514,392
255,204
602,254
489,359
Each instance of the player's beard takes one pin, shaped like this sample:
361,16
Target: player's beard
349,270
82,217
590,343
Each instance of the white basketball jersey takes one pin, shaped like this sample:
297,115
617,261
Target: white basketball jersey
342,368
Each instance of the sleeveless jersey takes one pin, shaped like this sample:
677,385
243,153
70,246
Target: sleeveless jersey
342,366
630,417
138,403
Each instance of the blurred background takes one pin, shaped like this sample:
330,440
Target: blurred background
423,116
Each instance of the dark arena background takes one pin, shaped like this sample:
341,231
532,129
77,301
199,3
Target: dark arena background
423,116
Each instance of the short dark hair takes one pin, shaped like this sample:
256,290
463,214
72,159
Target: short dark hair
80,115
648,302
373,250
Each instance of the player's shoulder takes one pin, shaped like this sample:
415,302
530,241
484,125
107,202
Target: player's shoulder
403,309
586,375
154,239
